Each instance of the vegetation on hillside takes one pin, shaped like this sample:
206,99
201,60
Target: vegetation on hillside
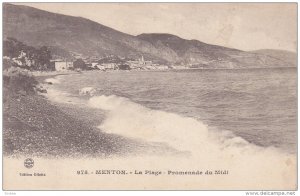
27,57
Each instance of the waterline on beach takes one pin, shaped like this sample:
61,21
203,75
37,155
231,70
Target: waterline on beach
207,146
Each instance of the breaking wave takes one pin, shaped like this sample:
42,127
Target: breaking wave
90,91
209,148
184,133
52,80
250,166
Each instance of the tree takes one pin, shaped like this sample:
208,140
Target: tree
12,47
79,64
32,58
7,63
124,67
43,59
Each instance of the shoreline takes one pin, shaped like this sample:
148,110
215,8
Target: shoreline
39,74
35,126
61,135
71,113
41,77
74,90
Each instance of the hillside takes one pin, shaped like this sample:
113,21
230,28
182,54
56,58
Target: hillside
191,51
36,28
212,56
284,55
64,33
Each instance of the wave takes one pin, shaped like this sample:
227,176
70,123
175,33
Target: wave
90,91
63,97
53,80
184,133
209,148
249,166
133,120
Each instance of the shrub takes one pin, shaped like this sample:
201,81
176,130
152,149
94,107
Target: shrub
7,63
30,57
79,64
17,81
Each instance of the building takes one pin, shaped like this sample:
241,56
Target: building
162,67
108,66
94,64
179,67
100,67
140,64
143,62
62,65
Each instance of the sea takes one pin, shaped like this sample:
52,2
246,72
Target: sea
241,121
257,105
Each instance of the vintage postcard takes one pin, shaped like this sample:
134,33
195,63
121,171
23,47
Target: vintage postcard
149,96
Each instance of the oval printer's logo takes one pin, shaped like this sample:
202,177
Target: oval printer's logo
28,163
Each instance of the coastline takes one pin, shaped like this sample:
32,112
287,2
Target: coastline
35,126
42,76
60,135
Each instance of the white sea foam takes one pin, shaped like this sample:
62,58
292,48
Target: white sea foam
249,166
183,133
210,149
87,91
52,80
62,97
59,96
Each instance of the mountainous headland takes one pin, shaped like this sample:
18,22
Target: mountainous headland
71,38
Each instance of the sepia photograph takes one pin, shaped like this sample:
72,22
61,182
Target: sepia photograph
149,96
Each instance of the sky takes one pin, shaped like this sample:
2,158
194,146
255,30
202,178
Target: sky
245,26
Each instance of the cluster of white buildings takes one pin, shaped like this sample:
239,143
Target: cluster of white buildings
94,63
140,64
65,64
105,66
